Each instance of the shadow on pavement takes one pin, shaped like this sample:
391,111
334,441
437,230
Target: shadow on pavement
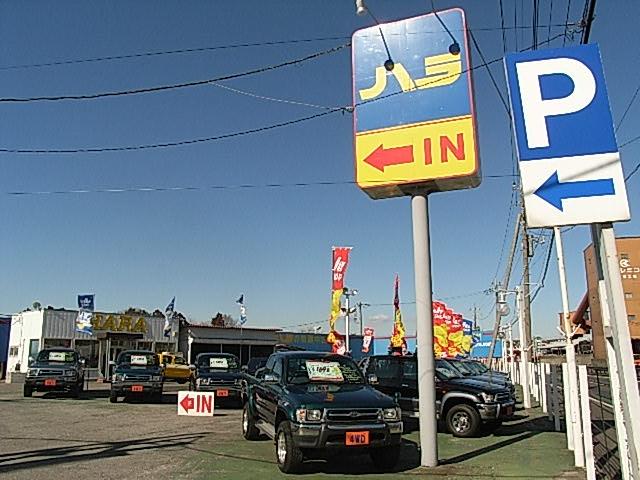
89,450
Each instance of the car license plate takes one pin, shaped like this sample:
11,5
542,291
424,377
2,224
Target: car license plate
222,393
137,388
357,438
508,411
50,382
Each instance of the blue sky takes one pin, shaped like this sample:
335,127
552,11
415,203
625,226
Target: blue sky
207,246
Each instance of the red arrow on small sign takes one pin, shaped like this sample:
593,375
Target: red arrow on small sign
187,403
384,157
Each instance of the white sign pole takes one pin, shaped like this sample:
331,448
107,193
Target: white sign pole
616,331
424,317
573,421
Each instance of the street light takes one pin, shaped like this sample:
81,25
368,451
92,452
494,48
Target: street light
348,294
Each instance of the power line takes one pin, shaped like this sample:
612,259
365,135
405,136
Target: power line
564,40
546,269
109,58
493,80
228,135
624,115
195,188
175,86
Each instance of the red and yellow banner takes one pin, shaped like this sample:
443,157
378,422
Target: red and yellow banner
340,262
449,340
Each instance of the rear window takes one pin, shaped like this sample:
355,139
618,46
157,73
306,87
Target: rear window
385,368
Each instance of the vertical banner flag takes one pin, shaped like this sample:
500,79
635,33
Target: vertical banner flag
440,332
86,305
367,339
168,316
340,261
467,341
397,339
243,310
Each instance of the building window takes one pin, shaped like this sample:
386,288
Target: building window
631,318
13,351
628,295
34,347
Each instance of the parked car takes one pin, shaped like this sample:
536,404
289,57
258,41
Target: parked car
137,373
254,364
314,404
219,373
55,370
480,368
464,405
175,367
491,376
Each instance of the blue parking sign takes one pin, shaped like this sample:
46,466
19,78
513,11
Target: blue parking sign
569,161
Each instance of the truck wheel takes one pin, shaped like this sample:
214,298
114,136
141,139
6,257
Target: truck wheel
249,430
288,456
113,398
28,391
463,420
385,458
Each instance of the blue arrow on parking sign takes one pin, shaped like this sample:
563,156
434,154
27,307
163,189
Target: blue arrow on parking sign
553,192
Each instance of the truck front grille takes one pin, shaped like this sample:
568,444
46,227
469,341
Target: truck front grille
44,372
355,415
137,378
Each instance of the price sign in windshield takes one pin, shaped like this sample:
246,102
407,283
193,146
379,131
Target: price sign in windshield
324,371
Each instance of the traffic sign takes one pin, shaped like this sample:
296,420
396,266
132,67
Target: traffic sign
196,404
569,161
414,125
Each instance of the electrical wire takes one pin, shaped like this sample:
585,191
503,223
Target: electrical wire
493,80
193,188
550,15
626,111
175,86
546,269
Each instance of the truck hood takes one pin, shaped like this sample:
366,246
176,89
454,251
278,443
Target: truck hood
135,370
475,385
59,365
230,376
338,396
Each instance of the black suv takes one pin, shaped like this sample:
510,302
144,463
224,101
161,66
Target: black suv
464,404
219,373
317,403
55,370
137,374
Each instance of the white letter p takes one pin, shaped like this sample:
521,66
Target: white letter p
535,110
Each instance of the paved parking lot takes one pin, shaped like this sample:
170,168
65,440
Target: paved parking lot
47,437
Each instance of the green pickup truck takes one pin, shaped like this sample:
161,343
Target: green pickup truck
315,404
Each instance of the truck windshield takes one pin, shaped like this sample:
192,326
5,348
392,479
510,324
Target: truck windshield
57,356
333,369
445,371
217,363
138,359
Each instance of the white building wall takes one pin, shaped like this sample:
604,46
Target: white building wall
25,326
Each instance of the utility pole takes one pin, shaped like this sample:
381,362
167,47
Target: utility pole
525,319
475,316
360,305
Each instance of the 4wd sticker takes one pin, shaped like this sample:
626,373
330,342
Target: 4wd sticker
327,371
218,363
138,359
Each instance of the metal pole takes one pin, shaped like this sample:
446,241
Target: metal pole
526,299
346,328
576,426
616,330
524,354
361,319
424,318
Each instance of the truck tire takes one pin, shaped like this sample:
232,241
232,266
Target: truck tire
288,456
249,429
113,398
463,420
27,391
385,458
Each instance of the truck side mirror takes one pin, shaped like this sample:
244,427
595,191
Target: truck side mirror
373,379
31,360
83,361
271,378
192,367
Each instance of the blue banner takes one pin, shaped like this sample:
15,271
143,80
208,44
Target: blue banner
86,302
481,349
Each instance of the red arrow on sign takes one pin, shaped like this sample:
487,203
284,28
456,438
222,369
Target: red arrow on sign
187,403
384,157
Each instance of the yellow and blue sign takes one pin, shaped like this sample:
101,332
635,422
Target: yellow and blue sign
414,125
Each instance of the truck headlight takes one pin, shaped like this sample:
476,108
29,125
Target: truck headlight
202,381
488,397
311,415
117,377
32,372
391,413
69,373
238,381
156,378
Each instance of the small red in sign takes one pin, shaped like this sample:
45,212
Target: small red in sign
137,388
222,393
50,383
